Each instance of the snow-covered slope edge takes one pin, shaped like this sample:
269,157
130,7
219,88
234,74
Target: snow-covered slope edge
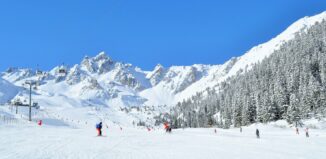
261,51
7,91
219,73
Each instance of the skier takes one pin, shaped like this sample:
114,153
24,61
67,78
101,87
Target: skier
257,134
215,131
169,130
307,132
39,123
240,129
167,127
297,130
99,129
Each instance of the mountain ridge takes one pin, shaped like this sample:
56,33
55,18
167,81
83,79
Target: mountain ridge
101,81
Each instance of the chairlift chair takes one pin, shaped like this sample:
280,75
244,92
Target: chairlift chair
62,71
39,72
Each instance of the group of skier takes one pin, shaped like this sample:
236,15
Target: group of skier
306,131
99,126
296,131
258,132
168,129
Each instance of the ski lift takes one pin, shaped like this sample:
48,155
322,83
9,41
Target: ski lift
16,102
62,71
36,106
39,72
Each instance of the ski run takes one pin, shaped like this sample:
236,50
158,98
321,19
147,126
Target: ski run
31,141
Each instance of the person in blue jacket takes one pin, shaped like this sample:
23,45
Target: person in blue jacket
99,129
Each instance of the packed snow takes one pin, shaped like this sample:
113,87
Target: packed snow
60,139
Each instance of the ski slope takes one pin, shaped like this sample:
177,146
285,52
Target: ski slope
30,141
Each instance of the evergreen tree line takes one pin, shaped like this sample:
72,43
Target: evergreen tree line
290,84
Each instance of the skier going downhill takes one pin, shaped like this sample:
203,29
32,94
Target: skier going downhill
167,127
99,129
297,131
257,134
307,132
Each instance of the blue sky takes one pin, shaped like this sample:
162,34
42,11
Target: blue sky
141,32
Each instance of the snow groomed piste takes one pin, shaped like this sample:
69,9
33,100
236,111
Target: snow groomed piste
61,139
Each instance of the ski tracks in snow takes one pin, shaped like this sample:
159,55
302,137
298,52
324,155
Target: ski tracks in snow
50,142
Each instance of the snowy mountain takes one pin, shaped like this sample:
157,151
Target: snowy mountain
102,82
7,91
214,74
287,85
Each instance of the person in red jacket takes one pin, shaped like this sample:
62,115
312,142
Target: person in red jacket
39,123
167,127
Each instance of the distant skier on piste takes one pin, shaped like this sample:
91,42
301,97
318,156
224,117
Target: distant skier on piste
297,130
99,129
167,127
307,132
257,134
